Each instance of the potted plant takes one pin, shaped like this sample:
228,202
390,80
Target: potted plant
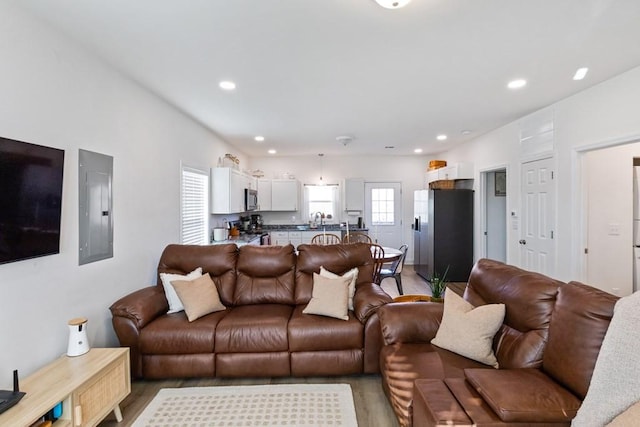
438,285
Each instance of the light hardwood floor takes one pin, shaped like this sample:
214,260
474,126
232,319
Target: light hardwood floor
372,407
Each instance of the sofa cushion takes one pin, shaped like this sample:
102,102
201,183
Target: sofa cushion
524,395
529,299
402,364
254,328
175,304
316,333
579,323
336,258
615,384
353,274
330,297
469,330
199,296
265,275
217,260
174,334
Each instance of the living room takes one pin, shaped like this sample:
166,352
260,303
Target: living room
56,93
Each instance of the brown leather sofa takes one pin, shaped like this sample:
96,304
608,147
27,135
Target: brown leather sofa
546,349
263,331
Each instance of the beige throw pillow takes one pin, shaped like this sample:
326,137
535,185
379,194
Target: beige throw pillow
330,297
468,330
353,274
175,305
199,296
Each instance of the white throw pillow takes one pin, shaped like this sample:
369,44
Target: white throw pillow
199,296
330,297
175,305
353,274
615,383
468,330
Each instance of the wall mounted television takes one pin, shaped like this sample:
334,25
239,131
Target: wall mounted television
30,200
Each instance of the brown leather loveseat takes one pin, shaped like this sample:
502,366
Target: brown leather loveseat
546,349
263,331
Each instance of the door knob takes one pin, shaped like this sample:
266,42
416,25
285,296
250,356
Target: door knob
522,242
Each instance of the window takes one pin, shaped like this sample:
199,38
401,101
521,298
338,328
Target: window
382,206
194,206
321,198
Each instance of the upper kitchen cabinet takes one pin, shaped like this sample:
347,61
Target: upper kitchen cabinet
227,190
285,195
455,171
354,194
264,194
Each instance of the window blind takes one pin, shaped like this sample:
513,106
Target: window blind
194,206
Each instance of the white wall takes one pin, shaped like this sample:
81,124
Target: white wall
408,170
603,114
53,93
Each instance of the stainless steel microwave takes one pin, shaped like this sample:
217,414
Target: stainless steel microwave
250,199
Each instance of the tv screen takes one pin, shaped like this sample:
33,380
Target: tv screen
30,200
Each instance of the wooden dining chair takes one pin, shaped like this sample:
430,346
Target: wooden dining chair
396,269
325,239
377,253
357,238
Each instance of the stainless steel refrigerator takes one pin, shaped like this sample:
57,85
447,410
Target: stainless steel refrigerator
420,231
443,233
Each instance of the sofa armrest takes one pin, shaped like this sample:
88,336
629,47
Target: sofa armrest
410,322
367,299
141,306
132,313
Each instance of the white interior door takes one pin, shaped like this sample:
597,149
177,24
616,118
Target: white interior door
383,212
538,217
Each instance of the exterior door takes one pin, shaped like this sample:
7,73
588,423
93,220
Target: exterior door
382,212
538,249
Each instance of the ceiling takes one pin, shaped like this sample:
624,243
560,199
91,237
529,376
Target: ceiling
308,71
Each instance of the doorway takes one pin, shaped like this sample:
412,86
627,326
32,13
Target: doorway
383,212
494,211
537,242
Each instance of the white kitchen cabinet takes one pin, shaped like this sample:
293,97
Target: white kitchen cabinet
264,194
227,190
354,194
452,172
295,238
285,194
279,238
307,236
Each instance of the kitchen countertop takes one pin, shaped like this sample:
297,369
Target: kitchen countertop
306,227
241,240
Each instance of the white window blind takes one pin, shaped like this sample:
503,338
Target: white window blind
194,206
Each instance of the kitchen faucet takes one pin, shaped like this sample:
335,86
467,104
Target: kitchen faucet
317,215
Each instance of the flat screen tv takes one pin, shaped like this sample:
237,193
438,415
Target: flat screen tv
30,200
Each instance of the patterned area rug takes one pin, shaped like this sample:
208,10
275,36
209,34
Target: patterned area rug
309,405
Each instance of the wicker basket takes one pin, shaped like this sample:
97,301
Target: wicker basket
445,184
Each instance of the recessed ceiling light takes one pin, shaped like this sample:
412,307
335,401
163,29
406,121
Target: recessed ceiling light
441,137
259,138
580,73
272,151
517,84
392,4
466,132
227,85
418,150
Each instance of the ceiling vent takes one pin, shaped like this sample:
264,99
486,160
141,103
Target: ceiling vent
344,139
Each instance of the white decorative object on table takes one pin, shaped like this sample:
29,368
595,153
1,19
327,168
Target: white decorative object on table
78,341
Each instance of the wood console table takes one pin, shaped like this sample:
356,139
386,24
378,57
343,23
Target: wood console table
89,387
